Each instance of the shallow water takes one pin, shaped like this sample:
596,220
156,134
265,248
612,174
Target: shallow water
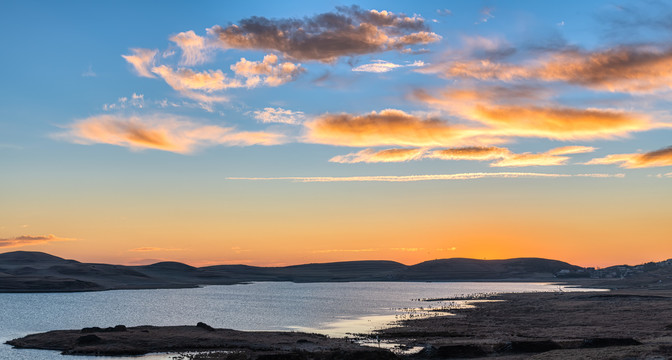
335,309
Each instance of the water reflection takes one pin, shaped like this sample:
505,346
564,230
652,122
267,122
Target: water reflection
334,309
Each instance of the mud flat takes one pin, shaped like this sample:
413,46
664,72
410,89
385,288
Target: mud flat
631,323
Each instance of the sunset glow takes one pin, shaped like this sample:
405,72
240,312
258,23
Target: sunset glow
258,133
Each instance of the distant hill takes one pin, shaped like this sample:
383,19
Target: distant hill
29,257
24,271
461,268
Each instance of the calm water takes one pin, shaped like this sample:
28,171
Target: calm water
330,308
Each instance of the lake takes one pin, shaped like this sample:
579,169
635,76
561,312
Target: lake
335,309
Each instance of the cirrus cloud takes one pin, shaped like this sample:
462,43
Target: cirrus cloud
501,157
372,155
142,60
433,177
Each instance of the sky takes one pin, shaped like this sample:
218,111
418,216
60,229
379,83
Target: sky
265,133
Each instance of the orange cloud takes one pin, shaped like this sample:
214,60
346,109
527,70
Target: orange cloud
387,127
200,86
268,71
470,153
186,79
566,150
623,69
26,240
562,123
657,158
325,37
372,155
549,121
142,60
161,132
527,159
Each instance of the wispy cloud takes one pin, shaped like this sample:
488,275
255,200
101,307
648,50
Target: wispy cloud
325,37
550,158
161,132
279,115
410,178
479,153
375,156
142,60
657,158
629,69
26,240
136,101
343,251
504,157
382,66
154,249
89,72
195,49
486,13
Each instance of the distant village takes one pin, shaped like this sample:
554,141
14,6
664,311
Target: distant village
618,271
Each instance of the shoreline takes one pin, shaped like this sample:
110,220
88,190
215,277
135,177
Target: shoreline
630,321
544,280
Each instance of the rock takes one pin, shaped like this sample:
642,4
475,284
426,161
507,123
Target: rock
606,342
95,329
88,339
88,330
205,326
459,351
528,346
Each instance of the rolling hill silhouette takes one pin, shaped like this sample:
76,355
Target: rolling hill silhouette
24,271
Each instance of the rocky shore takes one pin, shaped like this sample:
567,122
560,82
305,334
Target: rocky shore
120,340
